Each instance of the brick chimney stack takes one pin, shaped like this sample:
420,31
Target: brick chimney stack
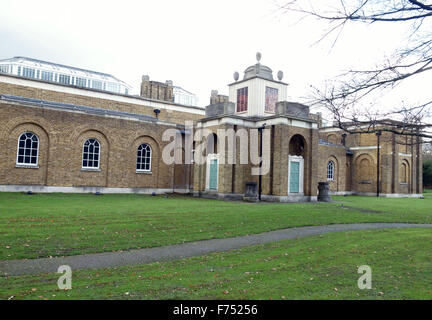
217,98
157,90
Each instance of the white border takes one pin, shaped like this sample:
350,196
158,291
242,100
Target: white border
99,156
151,151
28,165
212,156
301,175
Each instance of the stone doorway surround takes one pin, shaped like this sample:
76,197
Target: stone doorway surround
210,158
300,161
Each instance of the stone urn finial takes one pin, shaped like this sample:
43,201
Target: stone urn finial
258,56
280,75
236,76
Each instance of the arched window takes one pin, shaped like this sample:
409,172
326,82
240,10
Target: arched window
91,154
28,149
330,170
144,158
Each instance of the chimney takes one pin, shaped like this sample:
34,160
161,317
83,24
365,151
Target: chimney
157,90
217,98
320,124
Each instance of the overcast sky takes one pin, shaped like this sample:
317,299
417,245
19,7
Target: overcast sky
196,43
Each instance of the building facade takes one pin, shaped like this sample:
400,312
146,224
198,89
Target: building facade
60,137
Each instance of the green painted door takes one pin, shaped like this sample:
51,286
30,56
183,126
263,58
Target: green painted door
294,177
213,174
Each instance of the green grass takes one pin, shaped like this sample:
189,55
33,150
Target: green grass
318,267
43,225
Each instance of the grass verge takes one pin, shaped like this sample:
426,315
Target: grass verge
318,267
44,225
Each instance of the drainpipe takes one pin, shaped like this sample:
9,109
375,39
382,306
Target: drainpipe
344,135
378,134
260,130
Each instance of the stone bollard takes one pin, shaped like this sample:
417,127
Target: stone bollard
324,192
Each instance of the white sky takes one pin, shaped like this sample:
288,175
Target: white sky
196,43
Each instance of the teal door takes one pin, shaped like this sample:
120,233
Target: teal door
213,175
294,182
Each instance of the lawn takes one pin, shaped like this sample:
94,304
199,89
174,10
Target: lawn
43,225
318,267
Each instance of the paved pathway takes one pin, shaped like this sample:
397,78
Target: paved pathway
190,249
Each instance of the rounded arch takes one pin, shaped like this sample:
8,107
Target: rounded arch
84,129
103,147
298,165
32,126
143,135
212,143
146,139
333,138
35,128
151,163
404,172
365,165
334,159
10,152
146,175
7,128
297,146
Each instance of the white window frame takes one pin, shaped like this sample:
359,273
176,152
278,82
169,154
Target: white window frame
301,174
151,153
93,82
330,177
99,156
47,73
28,70
22,164
4,69
64,76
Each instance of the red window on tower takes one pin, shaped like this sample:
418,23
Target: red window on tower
242,99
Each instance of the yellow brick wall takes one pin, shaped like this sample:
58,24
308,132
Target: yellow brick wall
49,95
62,135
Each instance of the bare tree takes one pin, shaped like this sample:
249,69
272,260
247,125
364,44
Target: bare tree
427,152
343,95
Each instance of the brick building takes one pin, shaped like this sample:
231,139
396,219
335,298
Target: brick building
57,137
62,138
